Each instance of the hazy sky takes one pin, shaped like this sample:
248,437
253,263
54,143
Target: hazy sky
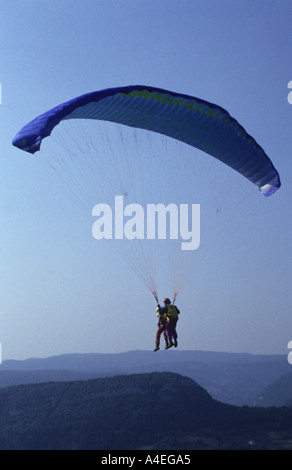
60,290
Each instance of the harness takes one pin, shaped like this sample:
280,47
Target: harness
172,311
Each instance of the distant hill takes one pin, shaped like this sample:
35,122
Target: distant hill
231,378
278,393
139,411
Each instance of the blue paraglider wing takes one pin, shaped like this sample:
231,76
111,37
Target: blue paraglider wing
196,122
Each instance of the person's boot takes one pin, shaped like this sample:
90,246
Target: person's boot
156,348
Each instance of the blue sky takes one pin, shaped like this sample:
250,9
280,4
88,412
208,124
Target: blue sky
59,291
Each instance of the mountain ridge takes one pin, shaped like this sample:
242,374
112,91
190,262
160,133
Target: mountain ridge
233,378
136,411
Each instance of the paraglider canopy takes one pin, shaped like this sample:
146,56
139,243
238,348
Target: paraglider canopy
194,121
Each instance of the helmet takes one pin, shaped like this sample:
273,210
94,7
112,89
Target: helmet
166,300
